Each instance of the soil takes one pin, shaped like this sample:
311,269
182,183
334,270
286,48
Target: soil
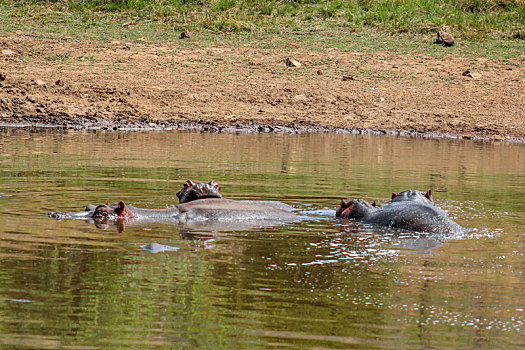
119,85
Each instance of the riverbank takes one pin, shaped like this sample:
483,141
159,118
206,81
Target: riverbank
348,81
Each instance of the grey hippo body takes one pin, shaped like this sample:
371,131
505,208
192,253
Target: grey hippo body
410,210
200,204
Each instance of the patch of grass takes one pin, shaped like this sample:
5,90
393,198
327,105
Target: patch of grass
491,28
57,58
222,5
473,19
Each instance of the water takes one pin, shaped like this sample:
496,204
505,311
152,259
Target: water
314,284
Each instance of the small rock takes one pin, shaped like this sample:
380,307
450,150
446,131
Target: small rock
348,77
319,72
185,35
2,76
291,62
471,74
158,248
8,52
39,82
300,98
444,38
59,82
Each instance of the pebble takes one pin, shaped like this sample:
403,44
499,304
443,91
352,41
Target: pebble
444,38
291,62
7,52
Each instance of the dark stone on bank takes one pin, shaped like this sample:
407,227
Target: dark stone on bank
444,38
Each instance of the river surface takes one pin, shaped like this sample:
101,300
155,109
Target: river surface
316,284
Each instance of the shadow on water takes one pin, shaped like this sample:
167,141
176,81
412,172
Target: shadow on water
316,283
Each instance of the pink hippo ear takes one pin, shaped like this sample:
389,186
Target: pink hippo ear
186,185
394,195
120,210
215,184
345,204
374,204
428,195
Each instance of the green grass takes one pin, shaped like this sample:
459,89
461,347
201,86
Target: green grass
490,28
472,19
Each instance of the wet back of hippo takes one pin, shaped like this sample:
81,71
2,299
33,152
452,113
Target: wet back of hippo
414,216
222,210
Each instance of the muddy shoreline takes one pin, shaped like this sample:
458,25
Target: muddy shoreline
46,82
128,125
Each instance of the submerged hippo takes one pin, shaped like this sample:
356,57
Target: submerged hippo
200,204
216,209
412,195
189,192
410,210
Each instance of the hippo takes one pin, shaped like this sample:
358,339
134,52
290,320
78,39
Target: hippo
413,195
189,192
216,209
410,210
200,204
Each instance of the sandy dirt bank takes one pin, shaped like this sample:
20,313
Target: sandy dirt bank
69,83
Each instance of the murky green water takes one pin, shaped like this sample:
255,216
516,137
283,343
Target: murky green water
314,284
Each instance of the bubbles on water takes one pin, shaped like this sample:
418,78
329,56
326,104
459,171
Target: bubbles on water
479,233
428,315
471,212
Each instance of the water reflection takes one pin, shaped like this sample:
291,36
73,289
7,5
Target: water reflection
317,283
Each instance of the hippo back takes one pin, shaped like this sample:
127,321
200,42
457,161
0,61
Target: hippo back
230,210
414,216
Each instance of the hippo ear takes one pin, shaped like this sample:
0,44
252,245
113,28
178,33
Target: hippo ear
344,209
189,183
374,204
394,195
119,210
428,195
215,184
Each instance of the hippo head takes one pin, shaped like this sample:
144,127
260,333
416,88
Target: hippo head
354,209
105,211
191,191
414,196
